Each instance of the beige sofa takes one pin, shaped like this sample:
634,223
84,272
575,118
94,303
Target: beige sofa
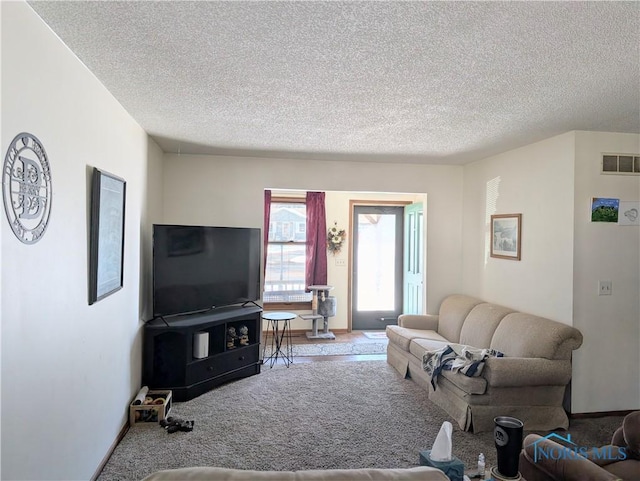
619,460
421,473
529,383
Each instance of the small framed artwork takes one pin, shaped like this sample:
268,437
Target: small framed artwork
505,236
604,209
106,241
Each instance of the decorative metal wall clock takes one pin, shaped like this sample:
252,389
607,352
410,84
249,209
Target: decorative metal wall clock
26,187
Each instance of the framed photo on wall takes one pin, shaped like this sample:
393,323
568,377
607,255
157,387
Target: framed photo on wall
106,241
604,209
505,236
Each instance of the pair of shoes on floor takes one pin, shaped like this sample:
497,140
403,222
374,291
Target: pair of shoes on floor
174,424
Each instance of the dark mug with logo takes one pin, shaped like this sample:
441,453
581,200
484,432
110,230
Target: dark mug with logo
508,437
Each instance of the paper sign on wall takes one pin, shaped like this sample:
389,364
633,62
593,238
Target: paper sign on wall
629,213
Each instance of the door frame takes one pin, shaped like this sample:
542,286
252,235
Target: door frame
352,204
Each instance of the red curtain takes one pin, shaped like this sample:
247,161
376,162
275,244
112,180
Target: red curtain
265,232
316,258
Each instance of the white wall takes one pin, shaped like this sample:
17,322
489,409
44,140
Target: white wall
606,373
537,182
564,255
151,214
228,191
69,370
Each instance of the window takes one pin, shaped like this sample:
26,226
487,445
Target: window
286,253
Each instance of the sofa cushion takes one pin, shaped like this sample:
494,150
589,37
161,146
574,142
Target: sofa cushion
419,346
481,324
525,335
470,385
453,311
402,336
627,469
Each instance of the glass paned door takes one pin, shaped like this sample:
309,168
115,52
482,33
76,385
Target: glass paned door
377,266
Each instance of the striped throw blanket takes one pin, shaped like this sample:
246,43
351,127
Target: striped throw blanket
465,359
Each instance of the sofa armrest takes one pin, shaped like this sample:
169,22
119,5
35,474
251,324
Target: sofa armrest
525,371
419,321
542,458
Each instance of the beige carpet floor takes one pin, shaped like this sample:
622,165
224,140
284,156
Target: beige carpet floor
332,414
333,348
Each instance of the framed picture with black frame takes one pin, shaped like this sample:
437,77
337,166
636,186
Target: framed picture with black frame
106,235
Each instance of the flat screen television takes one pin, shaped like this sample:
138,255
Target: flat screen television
196,268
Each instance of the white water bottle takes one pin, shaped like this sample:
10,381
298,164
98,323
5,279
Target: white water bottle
481,466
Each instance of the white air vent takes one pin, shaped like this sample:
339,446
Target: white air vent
623,164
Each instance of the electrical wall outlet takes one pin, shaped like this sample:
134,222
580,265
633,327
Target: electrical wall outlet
604,288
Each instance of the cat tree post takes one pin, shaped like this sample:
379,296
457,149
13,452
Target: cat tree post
323,307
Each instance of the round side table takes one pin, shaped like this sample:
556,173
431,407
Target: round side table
280,337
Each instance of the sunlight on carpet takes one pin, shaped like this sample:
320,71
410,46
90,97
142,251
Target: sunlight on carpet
376,334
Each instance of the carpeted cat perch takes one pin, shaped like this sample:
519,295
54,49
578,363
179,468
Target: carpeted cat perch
324,307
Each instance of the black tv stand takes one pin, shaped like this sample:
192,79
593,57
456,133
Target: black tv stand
168,354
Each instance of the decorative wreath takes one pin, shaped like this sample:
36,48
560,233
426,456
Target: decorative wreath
335,239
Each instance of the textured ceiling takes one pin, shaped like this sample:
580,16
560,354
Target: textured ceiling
424,82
